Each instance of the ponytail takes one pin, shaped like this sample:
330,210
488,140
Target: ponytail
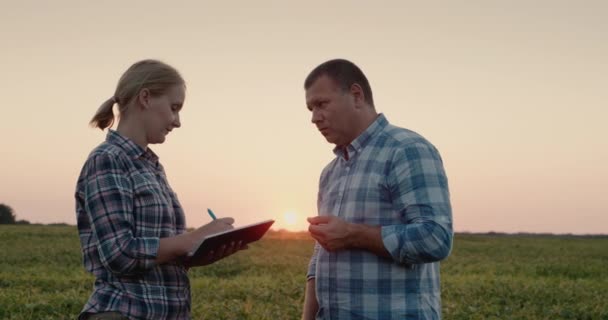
104,117
153,75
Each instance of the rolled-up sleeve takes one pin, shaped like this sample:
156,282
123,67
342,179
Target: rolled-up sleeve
420,193
109,206
312,265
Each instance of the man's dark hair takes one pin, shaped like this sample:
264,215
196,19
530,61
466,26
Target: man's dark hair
344,73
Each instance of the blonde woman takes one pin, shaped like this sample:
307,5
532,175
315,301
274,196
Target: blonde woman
132,227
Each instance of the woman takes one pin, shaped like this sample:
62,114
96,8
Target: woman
132,227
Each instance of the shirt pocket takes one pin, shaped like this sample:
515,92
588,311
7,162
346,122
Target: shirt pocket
147,190
370,201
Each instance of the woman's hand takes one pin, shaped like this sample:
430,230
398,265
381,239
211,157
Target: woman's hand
215,226
213,256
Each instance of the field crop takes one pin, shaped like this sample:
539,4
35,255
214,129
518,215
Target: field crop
485,277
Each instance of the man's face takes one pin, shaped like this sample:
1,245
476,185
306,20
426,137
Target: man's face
333,110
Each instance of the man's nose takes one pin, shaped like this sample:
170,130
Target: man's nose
177,123
316,116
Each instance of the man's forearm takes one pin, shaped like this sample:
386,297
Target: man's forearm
368,238
311,306
421,242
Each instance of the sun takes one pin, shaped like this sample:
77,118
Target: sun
291,219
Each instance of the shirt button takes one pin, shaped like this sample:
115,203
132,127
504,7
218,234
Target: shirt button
347,168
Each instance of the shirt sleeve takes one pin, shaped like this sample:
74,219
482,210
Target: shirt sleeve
109,206
312,265
419,189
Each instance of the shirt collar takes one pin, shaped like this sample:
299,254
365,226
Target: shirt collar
132,149
361,141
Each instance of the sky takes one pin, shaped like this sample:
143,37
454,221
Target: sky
512,93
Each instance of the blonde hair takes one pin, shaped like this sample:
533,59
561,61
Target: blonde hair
154,75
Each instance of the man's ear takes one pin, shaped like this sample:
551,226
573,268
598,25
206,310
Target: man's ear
357,92
143,98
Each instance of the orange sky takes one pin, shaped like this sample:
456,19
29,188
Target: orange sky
513,95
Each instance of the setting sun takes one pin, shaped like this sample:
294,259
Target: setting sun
292,222
291,219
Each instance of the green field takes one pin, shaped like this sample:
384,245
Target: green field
486,277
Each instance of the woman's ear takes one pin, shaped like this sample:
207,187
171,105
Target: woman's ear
144,98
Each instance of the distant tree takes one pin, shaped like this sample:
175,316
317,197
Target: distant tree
6,214
22,222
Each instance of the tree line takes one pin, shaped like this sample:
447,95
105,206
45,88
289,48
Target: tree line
7,216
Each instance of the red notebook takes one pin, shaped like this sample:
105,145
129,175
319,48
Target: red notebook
246,234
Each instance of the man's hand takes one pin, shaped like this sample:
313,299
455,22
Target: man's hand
331,232
334,234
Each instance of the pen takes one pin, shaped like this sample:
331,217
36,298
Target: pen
211,214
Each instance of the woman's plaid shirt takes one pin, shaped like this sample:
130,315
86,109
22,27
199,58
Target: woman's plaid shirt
124,205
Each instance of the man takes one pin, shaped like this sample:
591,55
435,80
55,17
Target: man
385,219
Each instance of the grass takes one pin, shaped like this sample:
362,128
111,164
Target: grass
486,277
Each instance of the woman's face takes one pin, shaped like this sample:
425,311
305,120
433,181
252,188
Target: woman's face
162,114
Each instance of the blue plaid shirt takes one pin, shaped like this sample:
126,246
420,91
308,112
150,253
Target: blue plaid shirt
393,178
124,205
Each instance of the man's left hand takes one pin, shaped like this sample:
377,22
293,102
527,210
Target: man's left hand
331,232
